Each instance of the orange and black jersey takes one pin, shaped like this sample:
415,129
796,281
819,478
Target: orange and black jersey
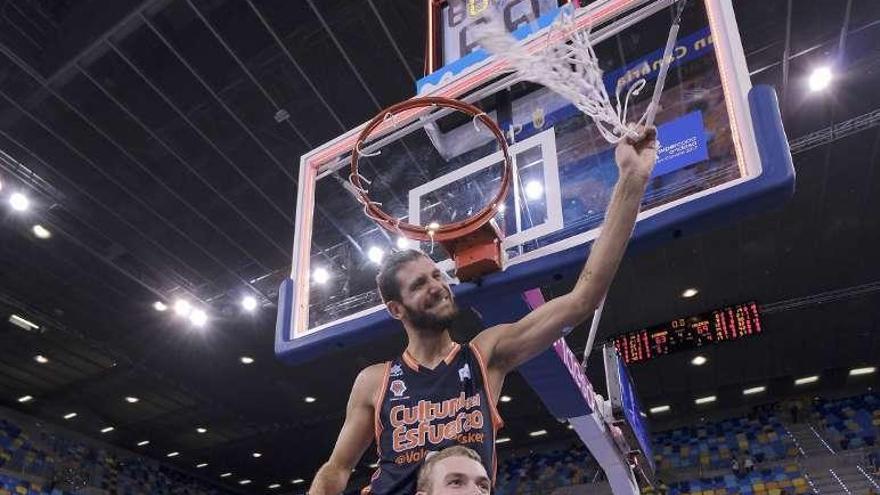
420,410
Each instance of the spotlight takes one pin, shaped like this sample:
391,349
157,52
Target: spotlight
202,429
502,440
202,465
198,318
173,454
182,307
699,360
689,293
403,243
70,415
862,371
41,232
160,306
132,400
375,254
41,359
249,303
309,400
25,398
257,455
534,190
246,360
820,78
320,275
19,202
143,443
506,398
705,400
538,433
660,409
107,429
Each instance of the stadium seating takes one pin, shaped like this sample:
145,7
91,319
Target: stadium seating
541,472
851,423
769,481
50,456
713,445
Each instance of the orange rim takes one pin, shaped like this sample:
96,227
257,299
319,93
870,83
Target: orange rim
444,232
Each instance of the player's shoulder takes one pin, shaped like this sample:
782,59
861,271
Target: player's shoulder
369,380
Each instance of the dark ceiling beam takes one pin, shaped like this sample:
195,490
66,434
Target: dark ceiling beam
815,47
390,37
186,164
327,215
297,67
87,194
786,57
88,50
844,31
247,71
145,169
128,191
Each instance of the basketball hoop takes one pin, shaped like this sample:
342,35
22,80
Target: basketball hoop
473,243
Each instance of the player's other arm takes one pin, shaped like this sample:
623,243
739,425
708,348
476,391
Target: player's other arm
509,345
356,434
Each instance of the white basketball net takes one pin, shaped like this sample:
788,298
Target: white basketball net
569,67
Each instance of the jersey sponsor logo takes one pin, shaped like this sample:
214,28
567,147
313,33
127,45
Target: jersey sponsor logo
464,373
397,388
432,423
396,371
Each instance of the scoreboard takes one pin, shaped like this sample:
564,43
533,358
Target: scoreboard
682,334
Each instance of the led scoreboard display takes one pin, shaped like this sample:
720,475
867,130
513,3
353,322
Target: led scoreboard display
721,325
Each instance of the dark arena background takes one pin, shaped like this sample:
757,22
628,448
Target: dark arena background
149,175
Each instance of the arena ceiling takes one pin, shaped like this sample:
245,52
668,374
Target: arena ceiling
152,140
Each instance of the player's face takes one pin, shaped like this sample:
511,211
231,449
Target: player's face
426,299
458,476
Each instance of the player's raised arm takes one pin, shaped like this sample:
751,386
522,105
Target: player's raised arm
509,345
356,435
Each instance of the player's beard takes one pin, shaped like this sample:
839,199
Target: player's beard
425,320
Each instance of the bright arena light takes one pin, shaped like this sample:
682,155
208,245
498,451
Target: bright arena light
375,254
820,78
132,400
403,243
25,398
807,380
160,306
198,318
19,202
538,433
41,232
754,390
320,275
182,307
506,398
705,400
41,359
699,360
502,440
246,360
862,371
249,303
534,190
689,293
660,409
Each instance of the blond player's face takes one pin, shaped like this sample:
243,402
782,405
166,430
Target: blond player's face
459,476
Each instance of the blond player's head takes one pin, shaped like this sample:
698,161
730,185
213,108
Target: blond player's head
453,471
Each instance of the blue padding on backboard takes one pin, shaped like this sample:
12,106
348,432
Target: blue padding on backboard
498,296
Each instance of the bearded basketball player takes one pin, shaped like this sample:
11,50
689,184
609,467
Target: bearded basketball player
439,392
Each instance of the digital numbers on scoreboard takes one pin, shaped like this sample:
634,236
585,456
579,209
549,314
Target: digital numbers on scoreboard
682,334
